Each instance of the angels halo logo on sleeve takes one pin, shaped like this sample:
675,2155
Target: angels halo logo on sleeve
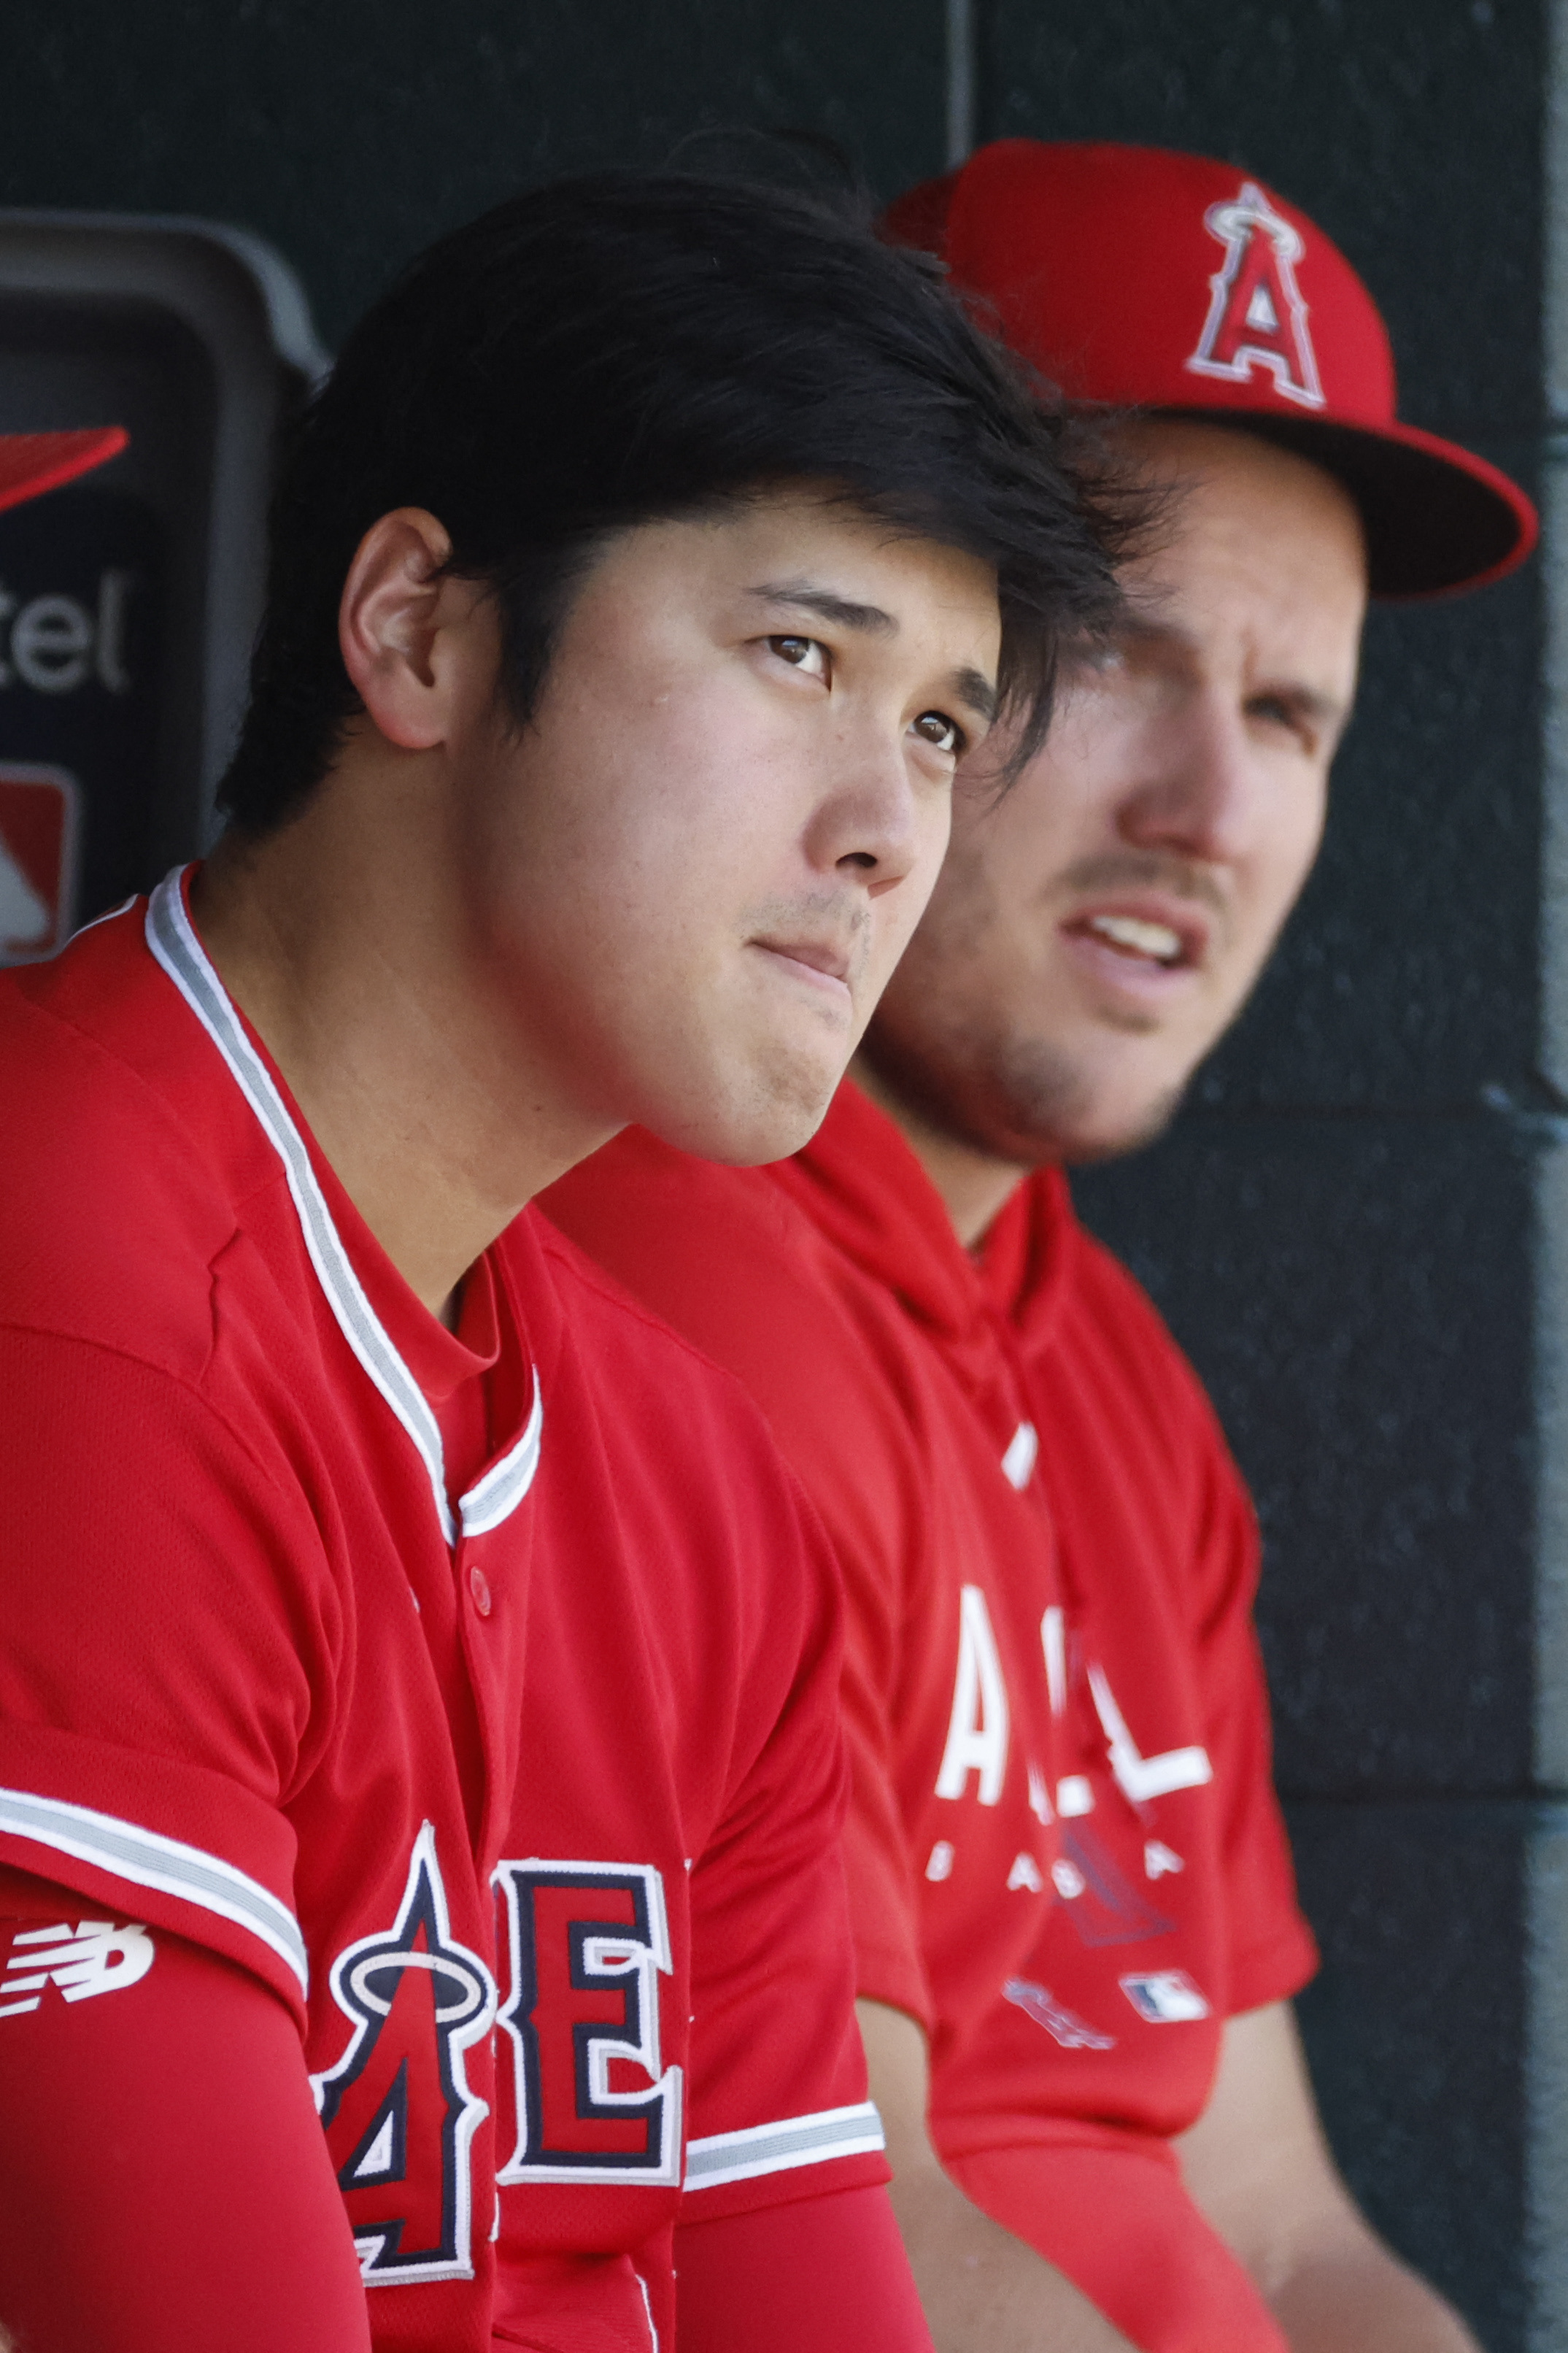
1256,317
397,2107
39,831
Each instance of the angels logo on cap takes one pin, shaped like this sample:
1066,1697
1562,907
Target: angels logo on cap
1096,262
1256,317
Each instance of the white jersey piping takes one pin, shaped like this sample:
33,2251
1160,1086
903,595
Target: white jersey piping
173,942
506,1483
779,2147
147,1858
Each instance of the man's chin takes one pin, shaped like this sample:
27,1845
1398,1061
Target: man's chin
1115,1138
754,1124
1026,1107
1076,1136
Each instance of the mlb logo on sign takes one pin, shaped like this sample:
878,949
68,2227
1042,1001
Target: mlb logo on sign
39,811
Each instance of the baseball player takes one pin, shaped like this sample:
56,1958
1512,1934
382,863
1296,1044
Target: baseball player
419,1760
1076,1927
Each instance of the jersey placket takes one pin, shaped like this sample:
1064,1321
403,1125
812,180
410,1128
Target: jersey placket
490,1563
474,1530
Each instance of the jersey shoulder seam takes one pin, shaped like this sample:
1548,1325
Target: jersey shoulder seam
176,1129
585,1270
162,1372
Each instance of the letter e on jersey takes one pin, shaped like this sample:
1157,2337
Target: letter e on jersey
588,1944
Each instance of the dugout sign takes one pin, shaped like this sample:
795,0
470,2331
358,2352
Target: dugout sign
129,600
82,589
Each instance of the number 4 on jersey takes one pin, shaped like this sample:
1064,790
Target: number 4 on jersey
397,2108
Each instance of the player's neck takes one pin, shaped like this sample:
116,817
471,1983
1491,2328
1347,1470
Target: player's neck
974,1186
343,941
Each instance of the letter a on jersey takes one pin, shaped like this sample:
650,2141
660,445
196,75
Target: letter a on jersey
1256,317
977,1730
398,2113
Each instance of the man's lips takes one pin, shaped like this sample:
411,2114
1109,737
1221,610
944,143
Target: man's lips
1141,938
822,963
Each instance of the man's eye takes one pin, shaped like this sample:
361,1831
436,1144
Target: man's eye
935,728
1277,711
802,653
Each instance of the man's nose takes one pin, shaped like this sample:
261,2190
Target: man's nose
873,822
1196,792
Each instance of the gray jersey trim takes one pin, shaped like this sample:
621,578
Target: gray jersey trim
173,942
503,1487
779,2147
150,1860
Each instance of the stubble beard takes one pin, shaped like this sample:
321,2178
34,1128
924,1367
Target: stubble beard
1010,1099
966,1073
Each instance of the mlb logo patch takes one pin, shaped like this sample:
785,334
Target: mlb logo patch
1165,1997
39,826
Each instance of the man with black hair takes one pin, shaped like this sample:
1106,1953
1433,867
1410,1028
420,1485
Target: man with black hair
419,1777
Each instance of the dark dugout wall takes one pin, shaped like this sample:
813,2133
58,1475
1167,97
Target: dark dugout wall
1343,1227
1353,1227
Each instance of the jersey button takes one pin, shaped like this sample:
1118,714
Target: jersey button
478,1586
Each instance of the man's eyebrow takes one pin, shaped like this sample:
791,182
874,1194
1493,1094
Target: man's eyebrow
970,687
1152,630
1328,710
825,605
975,691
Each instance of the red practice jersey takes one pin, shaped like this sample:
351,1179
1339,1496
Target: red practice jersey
1065,1857
491,1723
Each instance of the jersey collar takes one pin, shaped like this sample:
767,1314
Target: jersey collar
862,1184
172,938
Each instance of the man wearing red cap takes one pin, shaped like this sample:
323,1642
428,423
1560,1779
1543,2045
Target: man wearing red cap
1077,1929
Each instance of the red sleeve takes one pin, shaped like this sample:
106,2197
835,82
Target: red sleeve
1214,1560
779,2106
730,1262
163,2179
165,1627
1272,1952
830,2273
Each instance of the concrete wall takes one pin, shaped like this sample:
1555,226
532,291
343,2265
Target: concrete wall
1356,1224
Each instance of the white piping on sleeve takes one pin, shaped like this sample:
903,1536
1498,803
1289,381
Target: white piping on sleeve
148,1859
781,2148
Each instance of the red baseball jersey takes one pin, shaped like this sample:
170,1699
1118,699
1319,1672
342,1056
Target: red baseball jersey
1064,1853
476,1691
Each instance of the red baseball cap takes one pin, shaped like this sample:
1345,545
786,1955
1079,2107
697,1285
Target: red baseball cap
31,463
1144,278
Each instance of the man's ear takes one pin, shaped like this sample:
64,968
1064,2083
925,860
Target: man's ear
402,627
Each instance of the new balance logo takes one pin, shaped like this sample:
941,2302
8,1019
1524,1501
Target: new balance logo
95,1957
